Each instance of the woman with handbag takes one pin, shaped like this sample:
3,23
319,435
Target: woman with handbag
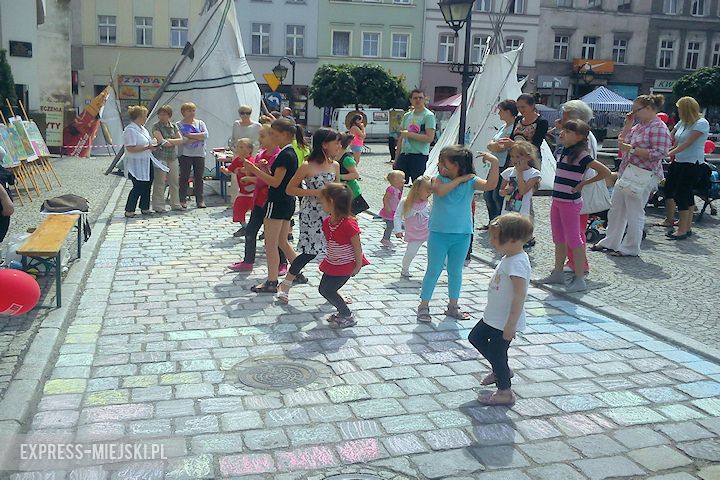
689,134
644,145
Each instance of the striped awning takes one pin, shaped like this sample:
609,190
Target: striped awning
603,100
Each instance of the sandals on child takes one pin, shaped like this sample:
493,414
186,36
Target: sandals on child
283,296
453,311
265,287
423,314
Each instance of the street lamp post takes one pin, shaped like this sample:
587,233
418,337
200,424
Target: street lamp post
458,13
280,71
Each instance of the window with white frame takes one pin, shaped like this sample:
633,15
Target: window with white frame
692,55
697,8
446,52
178,32
370,44
620,46
483,5
589,45
595,4
107,29
400,47
671,7
403,2
565,3
260,39
143,31
561,47
513,43
295,40
666,53
517,7
341,44
715,55
479,43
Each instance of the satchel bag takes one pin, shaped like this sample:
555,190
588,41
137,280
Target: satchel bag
636,181
595,197
70,204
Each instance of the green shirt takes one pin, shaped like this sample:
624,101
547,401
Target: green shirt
168,131
345,162
301,152
418,123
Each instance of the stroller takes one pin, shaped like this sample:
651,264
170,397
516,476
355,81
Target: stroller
708,189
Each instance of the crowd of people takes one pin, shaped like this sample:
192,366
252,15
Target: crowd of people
273,166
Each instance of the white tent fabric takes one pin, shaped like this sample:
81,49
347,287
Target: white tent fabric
218,80
604,100
497,82
110,121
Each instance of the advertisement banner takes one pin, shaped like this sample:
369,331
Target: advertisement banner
54,120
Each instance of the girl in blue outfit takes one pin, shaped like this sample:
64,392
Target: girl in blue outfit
451,224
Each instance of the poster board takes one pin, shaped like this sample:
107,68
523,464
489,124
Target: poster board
19,127
55,123
18,148
36,139
11,155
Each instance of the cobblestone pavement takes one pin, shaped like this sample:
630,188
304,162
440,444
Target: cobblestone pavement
16,333
163,335
672,283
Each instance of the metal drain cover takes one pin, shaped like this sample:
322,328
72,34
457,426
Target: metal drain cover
278,375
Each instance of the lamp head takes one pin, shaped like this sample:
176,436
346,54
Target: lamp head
280,71
455,12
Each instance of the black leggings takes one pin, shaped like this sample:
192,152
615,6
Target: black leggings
329,286
299,263
680,182
490,343
140,191
251,233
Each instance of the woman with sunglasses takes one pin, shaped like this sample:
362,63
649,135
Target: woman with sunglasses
644,145
245,127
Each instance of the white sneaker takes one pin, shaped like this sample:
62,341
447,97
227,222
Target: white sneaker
578,284
405,274
386,243
555,278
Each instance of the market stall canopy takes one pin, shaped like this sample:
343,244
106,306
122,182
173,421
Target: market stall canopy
604,100
447,105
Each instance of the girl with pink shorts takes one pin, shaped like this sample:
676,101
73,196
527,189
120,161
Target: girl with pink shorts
573,161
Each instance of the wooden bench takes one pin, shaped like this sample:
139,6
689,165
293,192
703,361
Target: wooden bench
44,247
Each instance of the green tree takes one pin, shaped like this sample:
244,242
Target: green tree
7,84
335,86
703,85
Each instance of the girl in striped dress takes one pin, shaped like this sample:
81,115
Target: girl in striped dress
344,257
567,235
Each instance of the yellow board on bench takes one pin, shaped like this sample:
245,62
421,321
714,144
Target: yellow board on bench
48,238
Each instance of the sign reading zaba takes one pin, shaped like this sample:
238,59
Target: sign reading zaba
20,49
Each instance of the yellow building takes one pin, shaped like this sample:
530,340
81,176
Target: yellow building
143,37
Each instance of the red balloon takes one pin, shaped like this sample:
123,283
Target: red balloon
709,147
663,116
20,292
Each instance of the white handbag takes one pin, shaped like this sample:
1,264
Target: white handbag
595,196
636,181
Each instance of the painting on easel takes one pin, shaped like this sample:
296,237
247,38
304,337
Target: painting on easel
19,127
36,139
11,159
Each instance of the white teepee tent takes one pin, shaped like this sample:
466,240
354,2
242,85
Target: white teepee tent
111,122
217,78
497,82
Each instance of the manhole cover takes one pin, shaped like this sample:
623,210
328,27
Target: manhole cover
278,375
354,476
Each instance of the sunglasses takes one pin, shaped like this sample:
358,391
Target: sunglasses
641,108
245,113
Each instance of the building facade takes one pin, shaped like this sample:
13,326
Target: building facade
140,40
683,35
384,32
36,36
442,48
587,43
272,29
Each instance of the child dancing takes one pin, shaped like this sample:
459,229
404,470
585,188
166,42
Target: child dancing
520,181
505,311
344,256
244,201
391,199
451,224
574,160
413,212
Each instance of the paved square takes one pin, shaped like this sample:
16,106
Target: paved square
161,357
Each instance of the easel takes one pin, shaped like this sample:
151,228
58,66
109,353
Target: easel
29,167
44,161
19,173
